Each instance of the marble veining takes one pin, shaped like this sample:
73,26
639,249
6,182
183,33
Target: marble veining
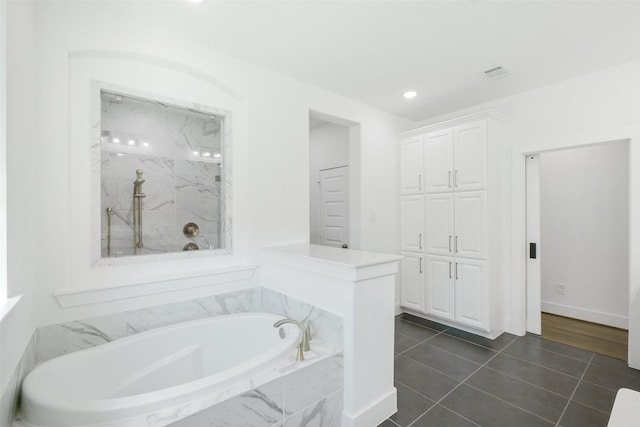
10,397
181,152
331,330
59,339
305,387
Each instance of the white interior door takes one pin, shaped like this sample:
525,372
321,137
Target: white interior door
334,206
533,316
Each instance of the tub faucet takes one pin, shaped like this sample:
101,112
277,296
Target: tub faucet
304,343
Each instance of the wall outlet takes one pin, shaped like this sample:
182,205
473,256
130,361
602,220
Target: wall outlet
373,217
560,289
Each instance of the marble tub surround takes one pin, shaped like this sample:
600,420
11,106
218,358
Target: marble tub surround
11,396
309,396
325,326
181,150
359,286
56,340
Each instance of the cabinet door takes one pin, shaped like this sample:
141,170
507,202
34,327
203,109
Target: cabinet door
471,293
470,156
438,161
411,175
439,287
439,221
411,223
412,281
471,224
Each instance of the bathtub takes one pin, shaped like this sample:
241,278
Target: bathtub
128,382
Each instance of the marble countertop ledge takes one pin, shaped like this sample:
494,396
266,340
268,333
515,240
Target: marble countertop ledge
349,264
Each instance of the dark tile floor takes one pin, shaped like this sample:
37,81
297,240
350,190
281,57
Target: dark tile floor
448,378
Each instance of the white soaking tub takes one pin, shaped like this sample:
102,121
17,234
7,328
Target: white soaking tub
130,381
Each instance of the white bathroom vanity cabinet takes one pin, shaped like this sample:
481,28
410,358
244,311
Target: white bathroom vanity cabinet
454,222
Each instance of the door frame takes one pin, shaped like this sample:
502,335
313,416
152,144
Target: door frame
532,234
515,292
320,206
354,163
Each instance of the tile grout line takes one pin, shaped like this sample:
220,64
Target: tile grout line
528,383
419,342
574,390
450,352
460,383
546,367
560,354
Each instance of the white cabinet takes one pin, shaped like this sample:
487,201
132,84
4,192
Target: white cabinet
456,290
470,156
412,289
454,222
439,287
411,174
439,223
471,293
411,223
438,161
455,159
470,228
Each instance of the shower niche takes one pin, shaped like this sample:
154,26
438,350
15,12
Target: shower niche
164,176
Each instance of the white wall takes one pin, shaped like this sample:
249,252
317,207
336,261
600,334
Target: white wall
115,41
328,148
597,107
584,224
18,325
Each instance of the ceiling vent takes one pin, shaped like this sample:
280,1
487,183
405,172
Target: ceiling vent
497,73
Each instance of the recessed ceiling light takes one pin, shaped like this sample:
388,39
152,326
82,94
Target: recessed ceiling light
131,142
410,94
116,140
206,154
196,153
145,144
217,155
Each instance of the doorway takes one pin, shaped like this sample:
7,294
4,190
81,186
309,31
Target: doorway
333,181
577,234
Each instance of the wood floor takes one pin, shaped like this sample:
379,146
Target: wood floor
586,335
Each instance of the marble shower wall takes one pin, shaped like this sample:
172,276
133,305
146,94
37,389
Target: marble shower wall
56,340
180,153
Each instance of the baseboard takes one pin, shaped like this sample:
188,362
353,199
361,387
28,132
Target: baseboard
587,315
398,309
375,414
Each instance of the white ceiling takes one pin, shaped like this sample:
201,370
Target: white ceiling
373,51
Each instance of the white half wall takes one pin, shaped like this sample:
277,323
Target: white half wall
328,148
584,223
